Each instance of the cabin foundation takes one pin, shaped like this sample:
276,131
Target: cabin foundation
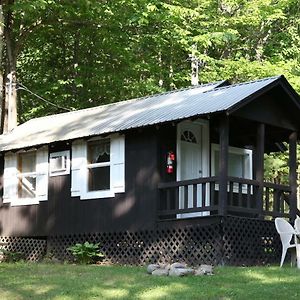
208,240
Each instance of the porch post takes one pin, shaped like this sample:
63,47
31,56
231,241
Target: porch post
223,165
259,176
293,175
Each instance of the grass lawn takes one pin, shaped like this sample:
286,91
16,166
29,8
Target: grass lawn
48,281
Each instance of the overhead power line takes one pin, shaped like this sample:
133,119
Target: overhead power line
23,87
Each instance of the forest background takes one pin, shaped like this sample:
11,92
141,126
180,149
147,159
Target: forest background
84,53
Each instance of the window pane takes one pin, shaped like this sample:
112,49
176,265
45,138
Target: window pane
99,151
99,179
27,162
27,187
236,165
58,163
188,136
27,183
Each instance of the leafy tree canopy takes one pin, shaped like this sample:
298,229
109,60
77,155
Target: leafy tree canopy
84,53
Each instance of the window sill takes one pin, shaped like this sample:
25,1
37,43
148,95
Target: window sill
21,202
59,173
97,195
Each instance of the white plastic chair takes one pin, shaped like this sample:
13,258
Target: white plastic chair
297,226
297,229
286,232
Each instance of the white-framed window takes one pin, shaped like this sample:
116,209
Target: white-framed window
98,167
239,164
60,163
25,180
27,175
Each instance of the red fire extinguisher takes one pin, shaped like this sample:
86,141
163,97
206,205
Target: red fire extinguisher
170,162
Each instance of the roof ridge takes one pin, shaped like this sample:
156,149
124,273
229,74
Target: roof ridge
171,106
127,101
244,83
155,95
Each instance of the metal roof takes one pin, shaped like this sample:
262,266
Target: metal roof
119,116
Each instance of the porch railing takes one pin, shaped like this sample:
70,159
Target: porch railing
187,196
201,196
242,195
276,200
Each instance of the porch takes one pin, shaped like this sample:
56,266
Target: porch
243,198
224,194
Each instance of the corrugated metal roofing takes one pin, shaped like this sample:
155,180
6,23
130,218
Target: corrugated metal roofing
129,114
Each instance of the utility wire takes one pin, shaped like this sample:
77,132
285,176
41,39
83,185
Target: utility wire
23,87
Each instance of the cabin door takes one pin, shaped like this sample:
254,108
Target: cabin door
192,162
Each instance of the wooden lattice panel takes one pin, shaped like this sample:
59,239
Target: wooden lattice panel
232,240
250,242
32,249
194,245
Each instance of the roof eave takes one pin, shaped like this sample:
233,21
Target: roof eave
254,95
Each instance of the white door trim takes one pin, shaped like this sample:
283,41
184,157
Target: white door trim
204,161
205,147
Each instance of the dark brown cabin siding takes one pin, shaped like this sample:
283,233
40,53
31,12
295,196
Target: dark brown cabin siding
145,154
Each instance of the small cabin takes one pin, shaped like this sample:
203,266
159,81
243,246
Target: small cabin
135,171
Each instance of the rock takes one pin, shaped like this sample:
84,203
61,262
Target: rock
199,272
165,266
180,271
204,270
178,265
207,268
152,267
160,272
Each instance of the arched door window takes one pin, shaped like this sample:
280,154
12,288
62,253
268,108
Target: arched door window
188,136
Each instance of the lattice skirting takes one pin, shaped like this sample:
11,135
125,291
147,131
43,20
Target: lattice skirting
32,249
250,242
190,244
232,241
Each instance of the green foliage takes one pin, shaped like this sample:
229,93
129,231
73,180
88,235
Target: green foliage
276,168
86,253
79,54
11,256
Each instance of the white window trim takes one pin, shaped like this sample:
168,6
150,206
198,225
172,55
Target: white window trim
24,201
98,165
15,200
59,172
86,194
233,150
80,170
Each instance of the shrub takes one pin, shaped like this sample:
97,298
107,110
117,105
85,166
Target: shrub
86,253
50,258
11,257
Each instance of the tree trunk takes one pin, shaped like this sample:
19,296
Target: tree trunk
1,65
10,103
11,97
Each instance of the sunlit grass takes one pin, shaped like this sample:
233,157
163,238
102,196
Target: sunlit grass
162,292
267,279
68,282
